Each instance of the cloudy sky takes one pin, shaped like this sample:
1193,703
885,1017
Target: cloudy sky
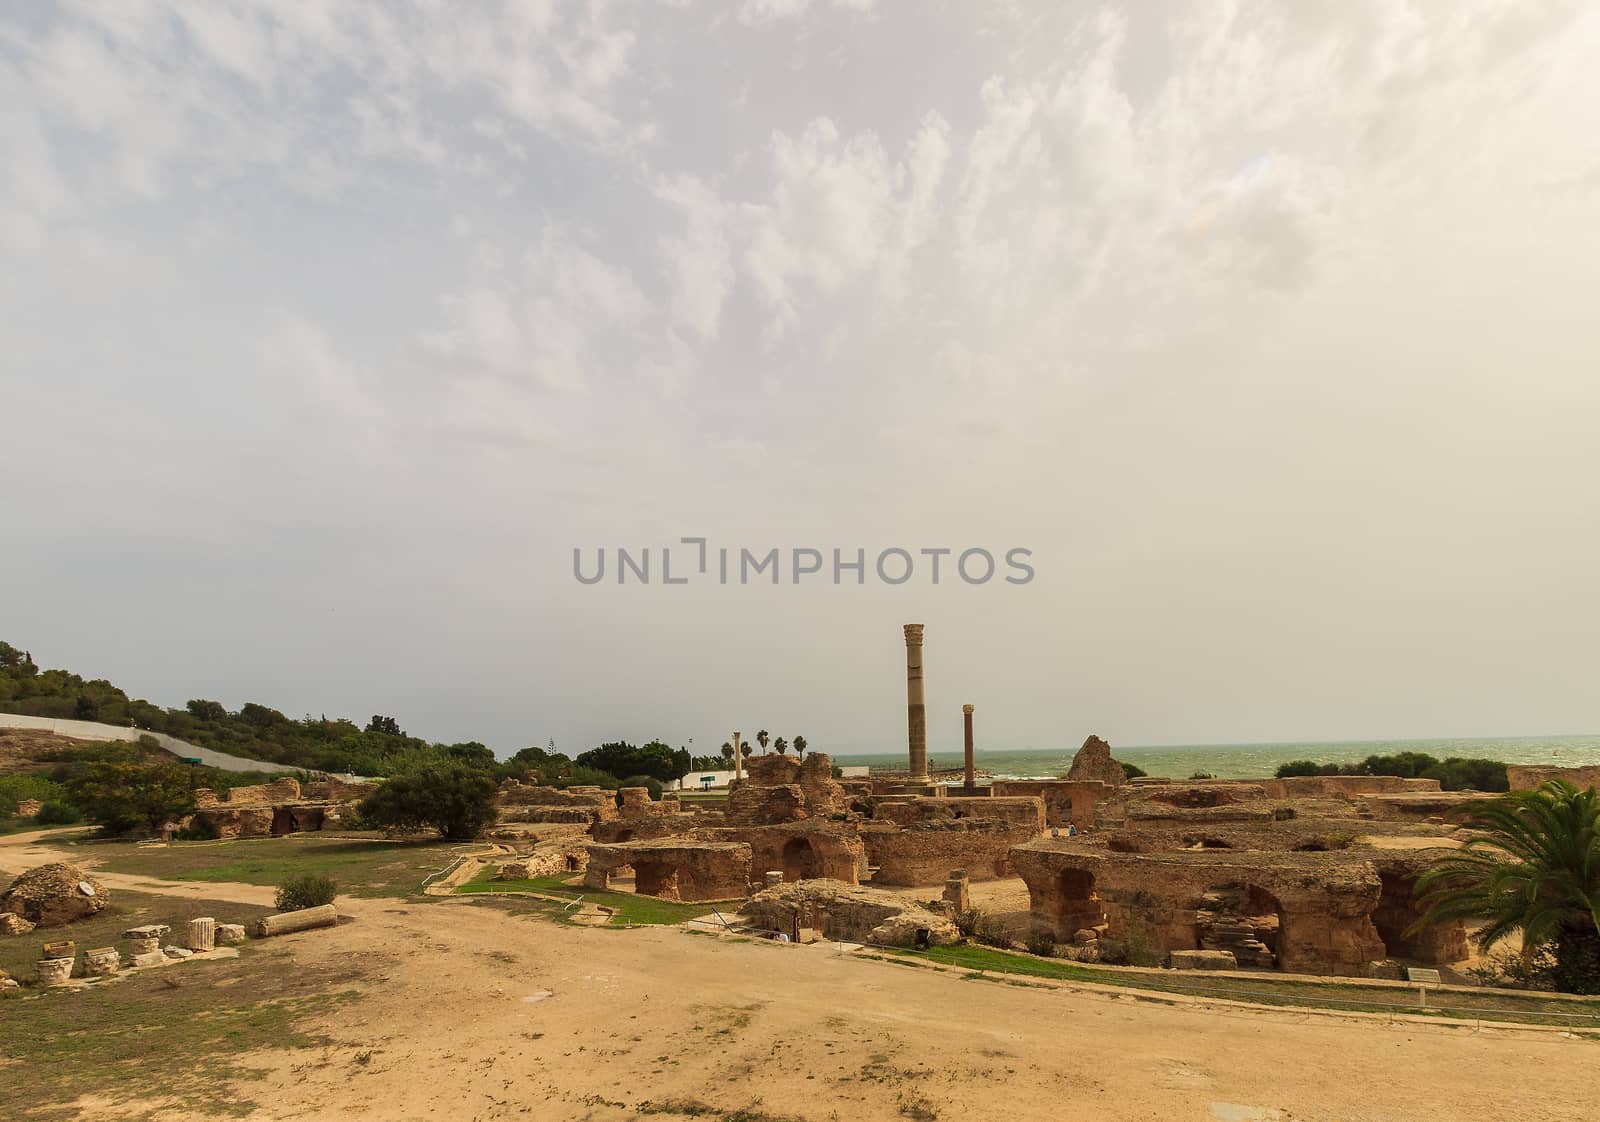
331,330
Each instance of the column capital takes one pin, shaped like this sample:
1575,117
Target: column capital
968,709
914,634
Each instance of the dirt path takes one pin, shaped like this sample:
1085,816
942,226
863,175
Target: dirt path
23,851
473,1013
487,1016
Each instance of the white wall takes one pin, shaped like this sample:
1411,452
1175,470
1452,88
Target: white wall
94,730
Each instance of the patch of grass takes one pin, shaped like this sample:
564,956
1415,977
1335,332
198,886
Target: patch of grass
104,928
1265,990
362,868
628,908
170,1036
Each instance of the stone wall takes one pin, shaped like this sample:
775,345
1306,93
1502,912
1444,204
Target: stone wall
594,803
1065,801
923,853
1314,910
1024,813
1343,786
806,850
1528,777
674,869
278,791
230,822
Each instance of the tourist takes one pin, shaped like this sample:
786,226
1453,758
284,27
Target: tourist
1072,829
1055,831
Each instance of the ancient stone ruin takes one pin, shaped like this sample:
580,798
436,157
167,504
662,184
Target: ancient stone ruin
849,913
674,868
1299,884
284,806
1313,874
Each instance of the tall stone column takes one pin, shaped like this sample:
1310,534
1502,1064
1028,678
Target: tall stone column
738,758
966,736
916,712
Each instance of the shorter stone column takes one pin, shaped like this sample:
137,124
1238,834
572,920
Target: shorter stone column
956,891
53,971
146,939
230,934
101,961
202,933
774,877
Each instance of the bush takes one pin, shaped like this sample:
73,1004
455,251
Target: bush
1202,775
967,922
1041,943
991,931
309,890
649,781
1305,767
57,813
1133,771
1508,970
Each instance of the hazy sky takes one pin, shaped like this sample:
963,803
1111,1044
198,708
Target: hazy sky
1271,329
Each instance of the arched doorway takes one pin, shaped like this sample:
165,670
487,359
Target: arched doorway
1244,919
800,860
1077,905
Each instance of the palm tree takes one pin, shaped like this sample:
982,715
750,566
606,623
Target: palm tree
1533,868
800,747
727,751
781,745
761,739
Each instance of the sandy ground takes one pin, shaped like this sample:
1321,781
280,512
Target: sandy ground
471,1013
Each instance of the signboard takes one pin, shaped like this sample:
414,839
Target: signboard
1423,977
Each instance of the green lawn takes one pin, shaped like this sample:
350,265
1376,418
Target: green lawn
629,909
359,867
1269,990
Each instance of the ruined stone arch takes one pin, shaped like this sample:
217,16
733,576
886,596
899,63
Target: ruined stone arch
1242,918
800,860
1077,903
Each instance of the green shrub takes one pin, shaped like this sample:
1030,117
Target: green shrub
309,890
967,921
57,813
991,931
1305,767
1133,771
15,788
1042,943
648,781
1202,775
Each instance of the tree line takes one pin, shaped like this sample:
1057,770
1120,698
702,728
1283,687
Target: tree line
1454,774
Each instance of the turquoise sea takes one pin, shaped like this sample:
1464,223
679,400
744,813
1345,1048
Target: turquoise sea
1255,761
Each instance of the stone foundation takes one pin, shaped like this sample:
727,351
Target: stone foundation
854,914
